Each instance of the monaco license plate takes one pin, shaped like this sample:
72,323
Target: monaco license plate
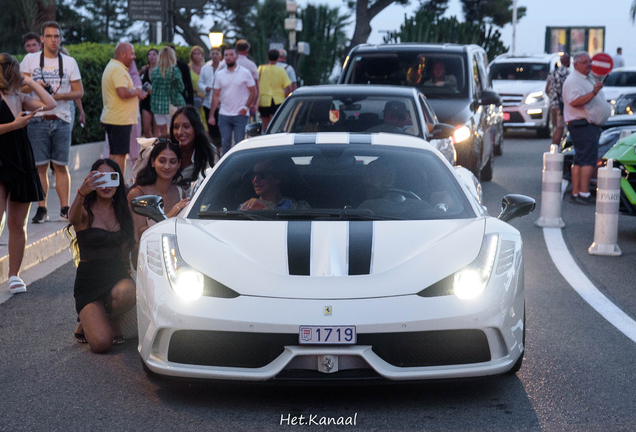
506,116
335,335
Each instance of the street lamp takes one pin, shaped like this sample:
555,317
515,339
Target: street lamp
216,39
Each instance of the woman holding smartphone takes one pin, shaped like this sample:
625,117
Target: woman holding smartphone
19,181
104,237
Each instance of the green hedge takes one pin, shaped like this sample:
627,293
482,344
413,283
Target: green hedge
92,59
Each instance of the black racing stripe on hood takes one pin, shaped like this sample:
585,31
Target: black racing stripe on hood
360,247
299,247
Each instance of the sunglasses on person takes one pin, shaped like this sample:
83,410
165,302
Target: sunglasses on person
261,175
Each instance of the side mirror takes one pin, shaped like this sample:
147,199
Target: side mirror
150,206
514,206
442,131
253,129
489,97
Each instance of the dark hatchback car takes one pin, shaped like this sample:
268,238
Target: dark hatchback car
361,109
454,80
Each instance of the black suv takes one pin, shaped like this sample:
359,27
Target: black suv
453,78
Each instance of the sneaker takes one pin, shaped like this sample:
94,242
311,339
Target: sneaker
573,199
41,215
588,200
64,214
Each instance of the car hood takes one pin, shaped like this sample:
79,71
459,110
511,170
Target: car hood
256,257
613,93
518,87
452,112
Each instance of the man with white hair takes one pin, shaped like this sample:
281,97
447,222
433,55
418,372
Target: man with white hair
282,63
121,102
585,110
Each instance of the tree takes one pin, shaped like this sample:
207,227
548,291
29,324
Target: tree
101,21
20,17
323,28
425,27
437,7
365,11
265,20
497,12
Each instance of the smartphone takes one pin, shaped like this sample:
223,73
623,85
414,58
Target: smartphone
146,87
112,180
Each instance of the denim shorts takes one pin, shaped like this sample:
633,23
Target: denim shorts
51,140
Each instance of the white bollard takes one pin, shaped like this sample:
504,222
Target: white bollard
551,190
608,196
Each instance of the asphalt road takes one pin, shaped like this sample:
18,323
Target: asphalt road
577,374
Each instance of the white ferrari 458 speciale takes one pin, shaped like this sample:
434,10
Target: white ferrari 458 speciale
332,256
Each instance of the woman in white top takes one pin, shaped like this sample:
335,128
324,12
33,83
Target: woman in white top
19,181
159,177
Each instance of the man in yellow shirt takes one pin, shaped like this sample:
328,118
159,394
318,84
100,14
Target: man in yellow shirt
121,102
274,86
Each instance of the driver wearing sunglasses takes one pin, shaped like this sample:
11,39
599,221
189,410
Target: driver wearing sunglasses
267,180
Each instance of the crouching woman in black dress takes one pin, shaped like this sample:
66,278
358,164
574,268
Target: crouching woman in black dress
104,231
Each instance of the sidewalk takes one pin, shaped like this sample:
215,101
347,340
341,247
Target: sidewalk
47,239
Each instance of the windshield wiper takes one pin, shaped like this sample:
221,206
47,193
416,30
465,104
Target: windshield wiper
232,215
331,214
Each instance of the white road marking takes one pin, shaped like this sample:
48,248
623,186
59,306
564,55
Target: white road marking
583,286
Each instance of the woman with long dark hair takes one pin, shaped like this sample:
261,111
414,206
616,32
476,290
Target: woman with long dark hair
19,181
159,177
104,237
197,153
144,104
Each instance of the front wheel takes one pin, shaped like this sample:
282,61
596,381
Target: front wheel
545,132
517,366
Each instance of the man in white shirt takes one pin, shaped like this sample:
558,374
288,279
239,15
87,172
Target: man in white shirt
585,110
242,49
235,90
206,84
282,63
50,131
619,61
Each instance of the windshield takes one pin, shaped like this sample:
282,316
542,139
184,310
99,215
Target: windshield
332,182
348,113
620,79
520,71
436,75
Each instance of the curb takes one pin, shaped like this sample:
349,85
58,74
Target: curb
37,252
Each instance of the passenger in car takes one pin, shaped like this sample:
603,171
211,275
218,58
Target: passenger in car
440,79
267,179
395,118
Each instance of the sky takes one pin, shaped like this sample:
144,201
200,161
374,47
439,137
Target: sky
613,14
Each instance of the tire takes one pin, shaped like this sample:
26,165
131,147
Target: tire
486,171
499,146
517,366
545,132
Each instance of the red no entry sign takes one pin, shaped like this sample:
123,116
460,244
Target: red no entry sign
602,64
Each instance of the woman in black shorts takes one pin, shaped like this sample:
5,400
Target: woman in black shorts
144,104
104,238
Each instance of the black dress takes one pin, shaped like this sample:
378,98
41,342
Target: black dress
17,165
102,264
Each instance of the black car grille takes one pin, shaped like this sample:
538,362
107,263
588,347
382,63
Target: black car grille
430,348
231,349
515,117
254,350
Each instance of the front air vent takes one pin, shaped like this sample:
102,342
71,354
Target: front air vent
506,256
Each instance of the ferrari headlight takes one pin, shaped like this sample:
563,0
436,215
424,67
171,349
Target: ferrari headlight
535,97
462,133
185,281
472,280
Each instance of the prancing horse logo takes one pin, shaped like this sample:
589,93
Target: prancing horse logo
327,310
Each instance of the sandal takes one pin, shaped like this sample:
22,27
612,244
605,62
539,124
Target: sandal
118,340
80,338
16,285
